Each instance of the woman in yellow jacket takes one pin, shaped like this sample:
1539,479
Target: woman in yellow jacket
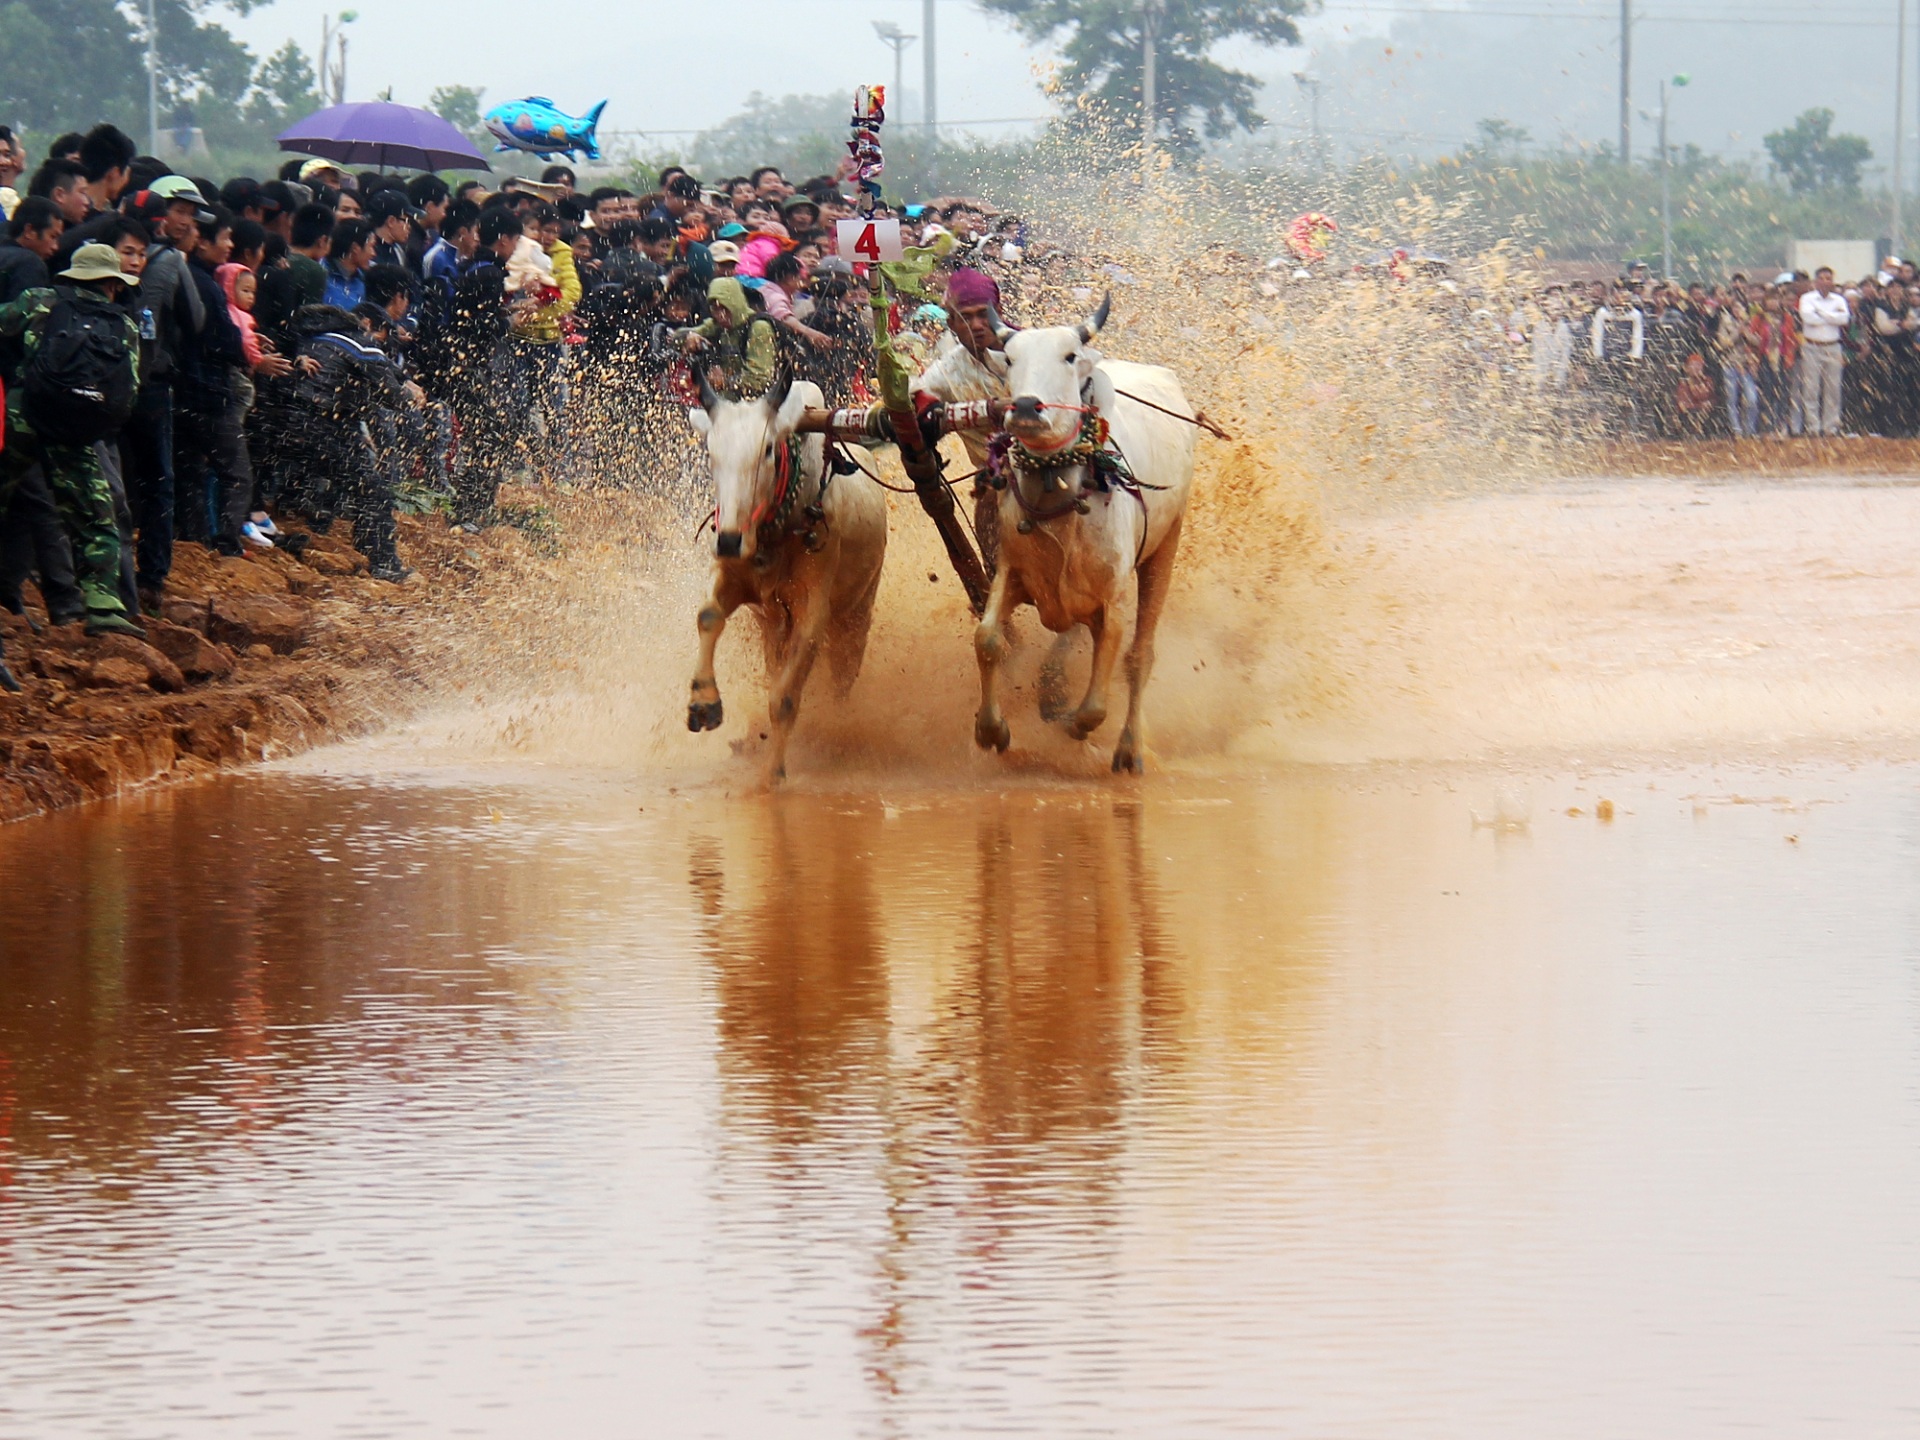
538,340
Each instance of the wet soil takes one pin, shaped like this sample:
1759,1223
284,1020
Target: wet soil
252,658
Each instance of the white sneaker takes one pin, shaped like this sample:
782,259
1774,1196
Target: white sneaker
264,523
254,536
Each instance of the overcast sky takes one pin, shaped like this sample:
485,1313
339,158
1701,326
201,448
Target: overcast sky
662,68
1550,65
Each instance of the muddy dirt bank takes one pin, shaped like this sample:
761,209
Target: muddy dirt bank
253,657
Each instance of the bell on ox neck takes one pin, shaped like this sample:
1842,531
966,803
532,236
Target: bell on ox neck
1080,507
1025,527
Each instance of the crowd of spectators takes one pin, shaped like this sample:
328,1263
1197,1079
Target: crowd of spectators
201,363
1771,358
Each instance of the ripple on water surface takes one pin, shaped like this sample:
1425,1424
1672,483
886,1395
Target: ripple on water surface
1304,1106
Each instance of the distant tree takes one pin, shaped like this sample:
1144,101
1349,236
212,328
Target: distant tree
1102,44
1497,136
67,63
1809,156
285,89
799,132
459,105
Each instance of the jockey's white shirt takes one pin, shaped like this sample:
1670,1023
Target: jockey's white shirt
956,375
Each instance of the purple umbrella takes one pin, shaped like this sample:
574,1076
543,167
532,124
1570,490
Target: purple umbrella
375,132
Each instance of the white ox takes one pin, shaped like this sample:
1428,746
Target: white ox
801,546
1069,538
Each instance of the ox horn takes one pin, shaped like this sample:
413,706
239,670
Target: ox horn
709,399
1002,331
1096,322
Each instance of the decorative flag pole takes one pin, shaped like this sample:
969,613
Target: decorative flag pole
869,161
919,455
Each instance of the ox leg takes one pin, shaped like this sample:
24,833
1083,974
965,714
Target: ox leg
847,648
1053,679
1092,714
1156,574
703,709
990,730
783,707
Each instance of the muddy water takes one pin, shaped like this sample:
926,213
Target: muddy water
573,1092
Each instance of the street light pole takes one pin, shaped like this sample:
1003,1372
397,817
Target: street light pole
1666,197
893,35
152,79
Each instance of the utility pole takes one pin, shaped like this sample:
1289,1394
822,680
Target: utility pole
152,79
893,35
929,89
1626,82
1149,80
1312,84
930,94
1899,127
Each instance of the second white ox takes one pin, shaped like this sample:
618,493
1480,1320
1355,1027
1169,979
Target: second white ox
1075,526
800,545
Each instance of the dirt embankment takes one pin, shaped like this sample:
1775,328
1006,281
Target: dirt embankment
1744,459
254,657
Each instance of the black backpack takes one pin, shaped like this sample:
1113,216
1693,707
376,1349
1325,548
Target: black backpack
77,386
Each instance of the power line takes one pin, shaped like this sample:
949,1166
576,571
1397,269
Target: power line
897,125
1371,10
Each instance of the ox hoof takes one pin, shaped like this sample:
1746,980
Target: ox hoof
704,717
1129,761
992,734
1085,722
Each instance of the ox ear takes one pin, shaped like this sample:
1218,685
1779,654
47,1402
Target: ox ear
777,393
792,407
1104,398
701,422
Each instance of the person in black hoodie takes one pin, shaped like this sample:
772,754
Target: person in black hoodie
349,382
33,238
207,436
474,370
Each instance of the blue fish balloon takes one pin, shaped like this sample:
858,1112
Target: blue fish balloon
534,125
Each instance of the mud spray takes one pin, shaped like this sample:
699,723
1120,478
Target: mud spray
1380,566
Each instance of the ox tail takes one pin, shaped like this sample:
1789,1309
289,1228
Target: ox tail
588,141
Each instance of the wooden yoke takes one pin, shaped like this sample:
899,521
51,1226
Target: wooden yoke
858,424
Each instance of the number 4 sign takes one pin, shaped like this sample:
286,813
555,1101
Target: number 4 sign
868,242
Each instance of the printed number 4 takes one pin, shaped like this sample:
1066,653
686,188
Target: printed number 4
868,245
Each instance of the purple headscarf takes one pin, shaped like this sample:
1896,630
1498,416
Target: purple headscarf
971,287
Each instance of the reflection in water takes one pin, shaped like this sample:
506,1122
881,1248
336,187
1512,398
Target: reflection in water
985,1099
336,1107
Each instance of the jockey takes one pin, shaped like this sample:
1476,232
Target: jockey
973,368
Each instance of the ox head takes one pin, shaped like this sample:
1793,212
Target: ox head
743,442
1050,376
